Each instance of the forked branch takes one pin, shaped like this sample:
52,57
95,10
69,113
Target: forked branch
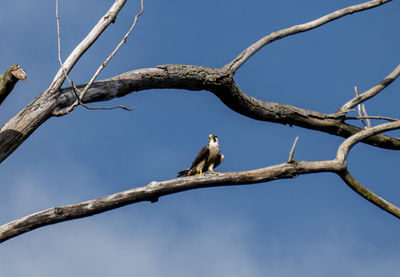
80,94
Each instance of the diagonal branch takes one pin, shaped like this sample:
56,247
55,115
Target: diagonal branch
84,45
23,124
371,92
255,47
82,93
369,195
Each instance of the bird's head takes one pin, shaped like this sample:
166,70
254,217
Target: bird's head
212,139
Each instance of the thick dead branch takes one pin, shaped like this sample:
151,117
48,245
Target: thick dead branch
186,77
224,87
9,79
371,92
255,47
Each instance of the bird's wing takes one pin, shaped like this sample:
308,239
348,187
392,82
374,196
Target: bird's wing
218,160
204,152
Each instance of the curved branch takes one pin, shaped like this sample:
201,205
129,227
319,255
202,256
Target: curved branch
224,87
369,195
346,146
255,47
154,190
371,92
187,77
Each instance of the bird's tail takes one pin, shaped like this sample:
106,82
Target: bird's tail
184,172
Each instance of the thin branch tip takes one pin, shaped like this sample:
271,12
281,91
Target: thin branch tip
291,159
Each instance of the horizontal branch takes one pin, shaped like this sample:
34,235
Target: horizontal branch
154,190
186,77
224,87
255,47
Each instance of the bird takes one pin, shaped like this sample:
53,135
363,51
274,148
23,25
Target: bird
207,159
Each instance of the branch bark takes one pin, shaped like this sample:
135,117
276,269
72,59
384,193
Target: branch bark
9,79
154,190
218,81
224,87
369,195
255,47
23,124
371,92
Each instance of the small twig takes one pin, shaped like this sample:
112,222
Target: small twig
364,111
371,117
76,90
109,108
291,160
79,100
359,108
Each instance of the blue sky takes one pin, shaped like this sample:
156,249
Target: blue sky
309,226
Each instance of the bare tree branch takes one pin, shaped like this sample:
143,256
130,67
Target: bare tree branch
84,45
351,141
23,124
154,190
255,47
224,87
291,160
369,195
100,68
371,117
187,77
371,92
9,79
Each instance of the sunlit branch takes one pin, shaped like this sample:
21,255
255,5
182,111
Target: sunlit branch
371,92
255,47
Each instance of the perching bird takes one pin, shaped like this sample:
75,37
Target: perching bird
207,159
